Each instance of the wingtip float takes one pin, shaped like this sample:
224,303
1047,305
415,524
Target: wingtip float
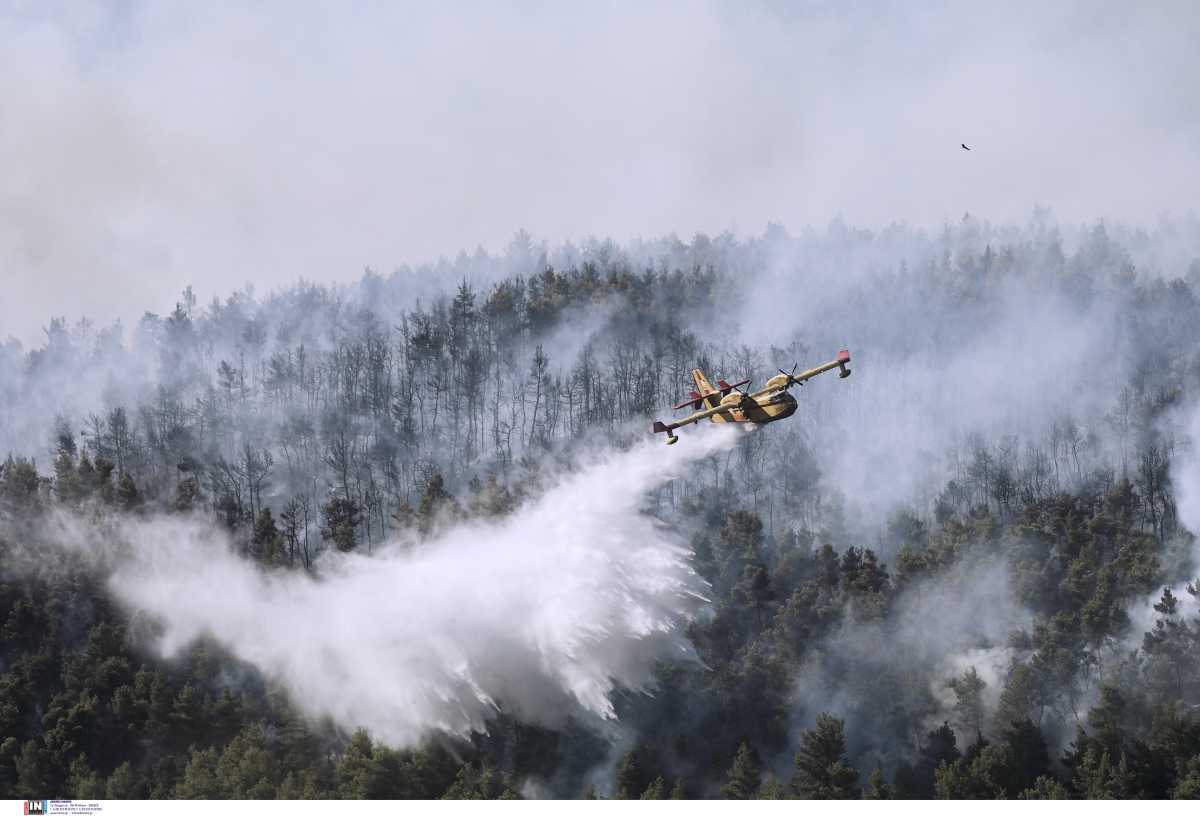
728,403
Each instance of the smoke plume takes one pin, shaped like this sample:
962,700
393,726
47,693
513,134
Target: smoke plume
1186,478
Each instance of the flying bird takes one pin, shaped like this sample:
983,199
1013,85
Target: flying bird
964,147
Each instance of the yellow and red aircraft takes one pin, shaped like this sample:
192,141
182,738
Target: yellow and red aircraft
728,403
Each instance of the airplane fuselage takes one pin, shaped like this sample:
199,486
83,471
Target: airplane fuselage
761,410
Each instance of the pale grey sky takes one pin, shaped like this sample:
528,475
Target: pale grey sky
146,146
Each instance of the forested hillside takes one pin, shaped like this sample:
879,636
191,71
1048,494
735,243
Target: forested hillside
964,572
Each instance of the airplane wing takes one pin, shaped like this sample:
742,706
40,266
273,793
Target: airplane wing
696,417
840,361
762,392
669,430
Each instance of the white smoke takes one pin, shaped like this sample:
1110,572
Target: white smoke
1185,482
1185,475
542,615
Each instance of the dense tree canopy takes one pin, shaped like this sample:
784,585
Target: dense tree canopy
833,661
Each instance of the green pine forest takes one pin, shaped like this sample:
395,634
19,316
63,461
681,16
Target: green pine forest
836,654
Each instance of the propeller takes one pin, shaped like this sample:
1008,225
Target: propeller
791,376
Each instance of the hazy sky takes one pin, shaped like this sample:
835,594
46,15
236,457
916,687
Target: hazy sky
146,146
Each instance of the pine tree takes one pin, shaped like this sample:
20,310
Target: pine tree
33,769
656,789
630,777
187,493
84,782
877,787
1188,786
754,592
772,788
19,486
266,544
342,517
123,783
1045,787
968,707
823,771
434,500
1028,756
128,497
978,777
67,485
353,772
744,777
86,474
1019,697
201,778
104,483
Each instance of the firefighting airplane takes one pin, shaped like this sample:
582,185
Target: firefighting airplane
728,403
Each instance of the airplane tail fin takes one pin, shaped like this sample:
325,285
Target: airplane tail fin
702,384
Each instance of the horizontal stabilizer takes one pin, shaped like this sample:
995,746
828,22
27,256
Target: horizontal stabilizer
694,402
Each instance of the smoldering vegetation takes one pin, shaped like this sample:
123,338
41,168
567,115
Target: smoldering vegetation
962,572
